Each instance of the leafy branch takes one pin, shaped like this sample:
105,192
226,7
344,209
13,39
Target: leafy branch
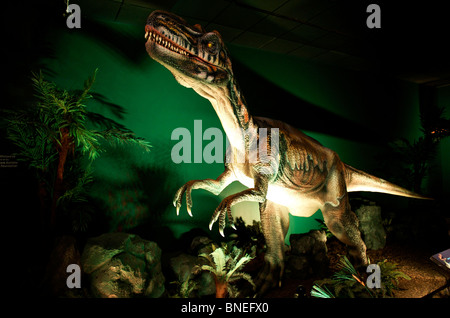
225,264
55,131
409,162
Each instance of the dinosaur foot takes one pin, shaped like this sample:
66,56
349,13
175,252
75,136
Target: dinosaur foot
269,277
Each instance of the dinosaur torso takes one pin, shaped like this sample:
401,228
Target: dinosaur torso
303,166
295,174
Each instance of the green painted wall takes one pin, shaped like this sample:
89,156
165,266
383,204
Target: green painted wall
137,188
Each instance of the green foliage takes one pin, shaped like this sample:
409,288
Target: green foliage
224,263
390,276
414,159
249,237
37,130
54,136
321,292
324,227
409,162
347,282
185,289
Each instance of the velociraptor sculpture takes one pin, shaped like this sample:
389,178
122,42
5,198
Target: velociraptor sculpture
306,176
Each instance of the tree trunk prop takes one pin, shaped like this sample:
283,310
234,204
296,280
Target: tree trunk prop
63,150
221,288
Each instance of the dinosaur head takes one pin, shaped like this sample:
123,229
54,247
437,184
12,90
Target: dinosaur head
193,55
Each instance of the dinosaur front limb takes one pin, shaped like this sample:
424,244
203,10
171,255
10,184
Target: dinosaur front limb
256,194
211,185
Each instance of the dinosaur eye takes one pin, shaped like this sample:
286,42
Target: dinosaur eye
210,43
211,46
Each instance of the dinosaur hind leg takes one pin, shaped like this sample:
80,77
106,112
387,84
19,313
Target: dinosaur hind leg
275,225
344,224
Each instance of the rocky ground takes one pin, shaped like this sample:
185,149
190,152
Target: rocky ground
426,276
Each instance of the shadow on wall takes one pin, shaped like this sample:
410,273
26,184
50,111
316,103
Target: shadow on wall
278,103
132,192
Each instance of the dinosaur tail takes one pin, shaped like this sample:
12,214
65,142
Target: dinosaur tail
358,180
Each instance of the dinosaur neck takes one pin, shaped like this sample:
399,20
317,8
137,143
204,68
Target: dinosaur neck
231,109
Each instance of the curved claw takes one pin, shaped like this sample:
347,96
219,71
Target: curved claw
179,196
177,199
231,220
222,211
213,219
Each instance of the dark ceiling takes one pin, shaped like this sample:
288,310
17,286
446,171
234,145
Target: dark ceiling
412,43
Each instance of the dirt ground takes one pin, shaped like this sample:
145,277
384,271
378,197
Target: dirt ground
426,276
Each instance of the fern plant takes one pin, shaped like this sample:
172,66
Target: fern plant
225,264
347,282
390,276
54,138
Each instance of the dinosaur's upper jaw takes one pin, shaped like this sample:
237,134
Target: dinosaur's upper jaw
187,51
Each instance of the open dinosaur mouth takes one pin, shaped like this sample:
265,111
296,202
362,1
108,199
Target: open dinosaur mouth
163,41
185,51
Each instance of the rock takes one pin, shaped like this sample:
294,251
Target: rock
308,256
371,227
201,244
100,250
182,266
299,266
122,265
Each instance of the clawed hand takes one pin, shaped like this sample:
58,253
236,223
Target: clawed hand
220,213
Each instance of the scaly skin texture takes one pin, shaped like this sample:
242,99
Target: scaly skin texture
298,175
